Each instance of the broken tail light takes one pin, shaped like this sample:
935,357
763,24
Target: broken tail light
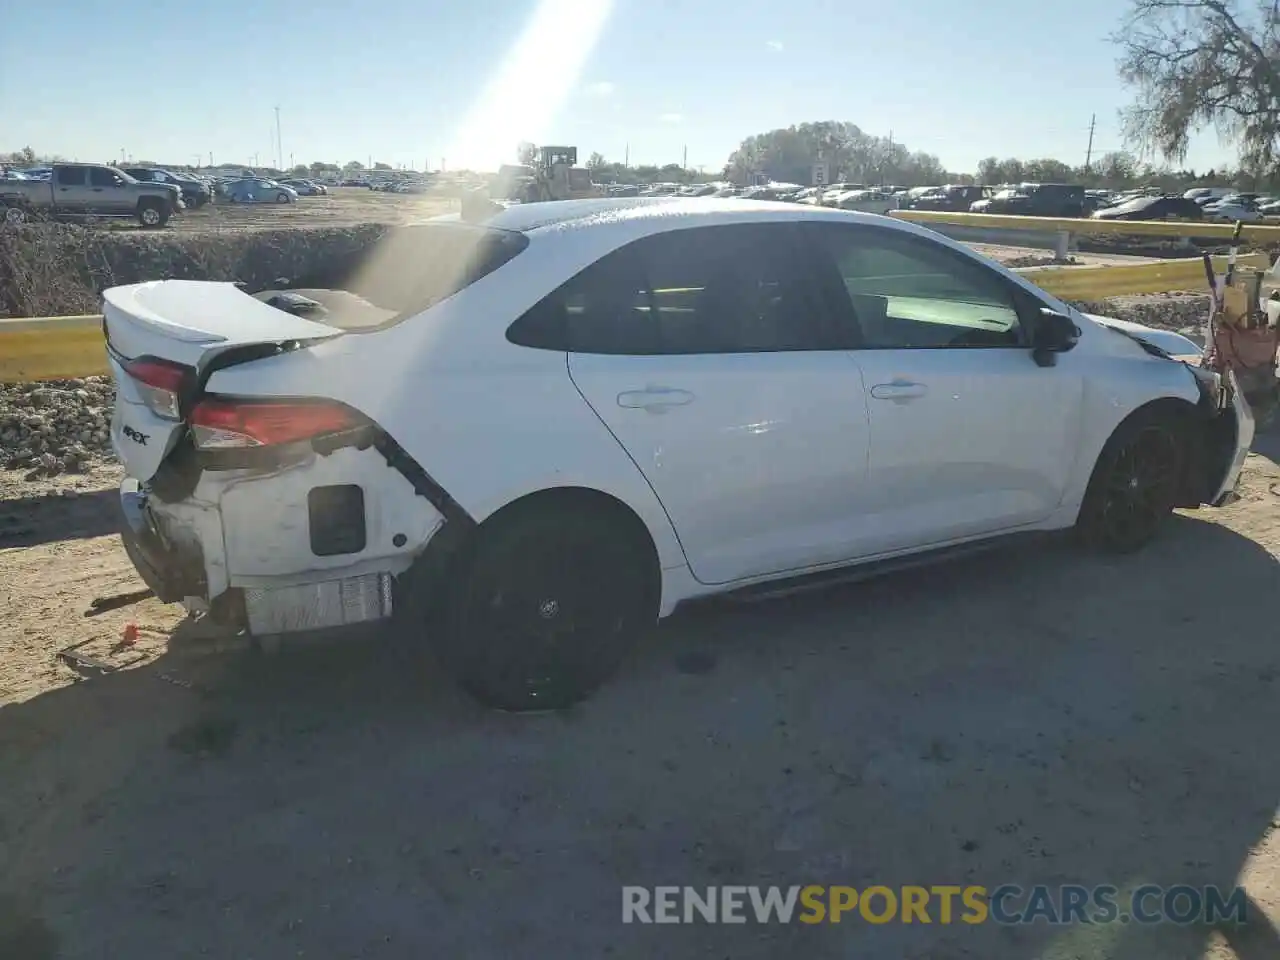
161,385
223,423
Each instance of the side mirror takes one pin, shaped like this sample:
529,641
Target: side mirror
1054,333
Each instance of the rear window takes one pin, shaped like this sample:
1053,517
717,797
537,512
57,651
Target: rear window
404,272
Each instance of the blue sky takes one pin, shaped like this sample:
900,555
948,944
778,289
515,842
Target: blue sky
402,81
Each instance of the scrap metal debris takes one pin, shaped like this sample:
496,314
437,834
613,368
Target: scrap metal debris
90,666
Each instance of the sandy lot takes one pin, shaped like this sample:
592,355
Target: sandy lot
1037,716
342,207
349,206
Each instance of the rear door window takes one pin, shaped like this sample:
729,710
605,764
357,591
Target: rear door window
706,290
69,176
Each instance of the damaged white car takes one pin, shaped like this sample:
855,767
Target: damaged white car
529,434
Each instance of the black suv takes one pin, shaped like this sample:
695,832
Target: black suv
195,194
1038,200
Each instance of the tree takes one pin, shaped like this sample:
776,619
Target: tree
352,166
1203,63
527,153
25,156
382,166
788,154
595,161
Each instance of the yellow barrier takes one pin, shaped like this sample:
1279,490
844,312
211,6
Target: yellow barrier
1088,227
51,348
1159,276
55,348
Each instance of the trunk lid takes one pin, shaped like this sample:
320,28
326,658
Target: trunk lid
192,321
187,323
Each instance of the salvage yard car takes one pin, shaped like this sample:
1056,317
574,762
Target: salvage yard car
259,190
81,190
530,434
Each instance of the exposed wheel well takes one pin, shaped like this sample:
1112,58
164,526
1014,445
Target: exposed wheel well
609,509
450,549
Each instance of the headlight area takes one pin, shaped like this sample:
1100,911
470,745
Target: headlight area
1213,437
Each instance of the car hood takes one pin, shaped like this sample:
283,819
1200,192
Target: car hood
1170,342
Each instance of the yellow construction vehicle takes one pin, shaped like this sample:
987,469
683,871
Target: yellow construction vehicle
554,176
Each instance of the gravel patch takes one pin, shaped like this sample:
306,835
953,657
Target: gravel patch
1184,313
62,426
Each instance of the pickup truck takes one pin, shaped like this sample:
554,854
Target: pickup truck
77,190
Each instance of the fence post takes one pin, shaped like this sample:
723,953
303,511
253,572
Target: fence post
1062,245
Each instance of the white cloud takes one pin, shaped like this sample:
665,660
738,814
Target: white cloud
672,118
601,89
773,44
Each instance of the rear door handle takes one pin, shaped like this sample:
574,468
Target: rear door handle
654,399
899,391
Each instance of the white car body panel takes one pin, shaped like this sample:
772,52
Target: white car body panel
759,458
937,472
802,467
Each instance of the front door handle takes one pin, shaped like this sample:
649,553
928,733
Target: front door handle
899,390
654,399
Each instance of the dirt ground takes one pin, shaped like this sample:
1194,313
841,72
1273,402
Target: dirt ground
350,206
1036,716
342,207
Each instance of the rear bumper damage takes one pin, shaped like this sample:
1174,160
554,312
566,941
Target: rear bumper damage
312,545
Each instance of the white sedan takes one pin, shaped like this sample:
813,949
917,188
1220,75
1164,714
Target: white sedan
1232,212
531,434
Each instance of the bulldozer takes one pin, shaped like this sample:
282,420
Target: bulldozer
554,175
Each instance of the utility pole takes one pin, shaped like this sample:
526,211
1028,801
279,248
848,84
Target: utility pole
279,142
626,157
684,164
1088,154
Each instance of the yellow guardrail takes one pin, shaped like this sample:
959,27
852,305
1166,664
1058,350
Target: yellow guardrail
51,348
1157,276
56,348
1088,227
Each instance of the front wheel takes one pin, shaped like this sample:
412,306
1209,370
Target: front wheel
15,216
1135,483
282,198
545,609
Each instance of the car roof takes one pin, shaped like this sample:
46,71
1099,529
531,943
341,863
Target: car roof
557,215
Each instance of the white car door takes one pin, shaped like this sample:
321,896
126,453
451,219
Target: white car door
707,353
968,435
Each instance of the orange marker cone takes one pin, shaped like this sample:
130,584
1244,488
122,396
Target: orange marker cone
130,634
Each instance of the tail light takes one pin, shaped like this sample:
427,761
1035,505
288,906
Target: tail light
222,423
160,384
